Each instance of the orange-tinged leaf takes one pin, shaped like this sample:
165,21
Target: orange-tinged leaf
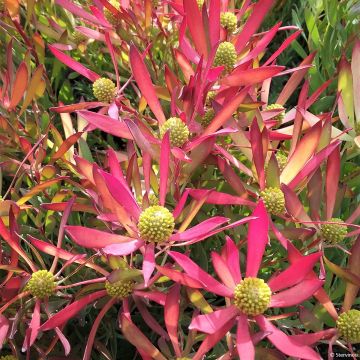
13,7
20,85
294,80
33,88
39,188
66,145
304,150
39,46
342,273
138,339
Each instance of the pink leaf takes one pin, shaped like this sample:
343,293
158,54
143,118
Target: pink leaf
96,239
164,167
257,151
64,341
355,69
200,230
295,273
244,344
76,66
78,106
219,198
71,310
257,240
214,22
122,249
148,263
231,254
212,322
145,84
77,10
4,328
107,124
297,294
251,76
285,343
171,316
222,270
213,339
196,27
180,278
192,269
259,11
226,112
122,194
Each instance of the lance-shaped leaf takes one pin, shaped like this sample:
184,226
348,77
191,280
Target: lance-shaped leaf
96,239
222,270
71,310
4,328
257,151
164,166
172,316
145,84
219,198
296,294
294,80
284,343
107,124
138,339
345,87
226,112
180,277
195,24
259,11
192,269
295,273
20,85
342,273
355,68
257,240
303,152
210,323
251,76
214,22
73,64
352,289
77,10
332,179
34,85
244,344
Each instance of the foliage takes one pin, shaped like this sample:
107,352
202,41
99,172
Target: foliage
163,196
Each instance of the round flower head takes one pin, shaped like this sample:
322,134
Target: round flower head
156,224
120,289
226,55
153,200
280,117
207,118
348,324
274,200
228,21
333,233
282,160
252,296
109,16
210,96
8,357
41,284
104,90
179,132
79,38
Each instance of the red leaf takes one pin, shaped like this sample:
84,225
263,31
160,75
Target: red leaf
73,64
71,310
145,84
19,85
251,76
196,27
259,11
